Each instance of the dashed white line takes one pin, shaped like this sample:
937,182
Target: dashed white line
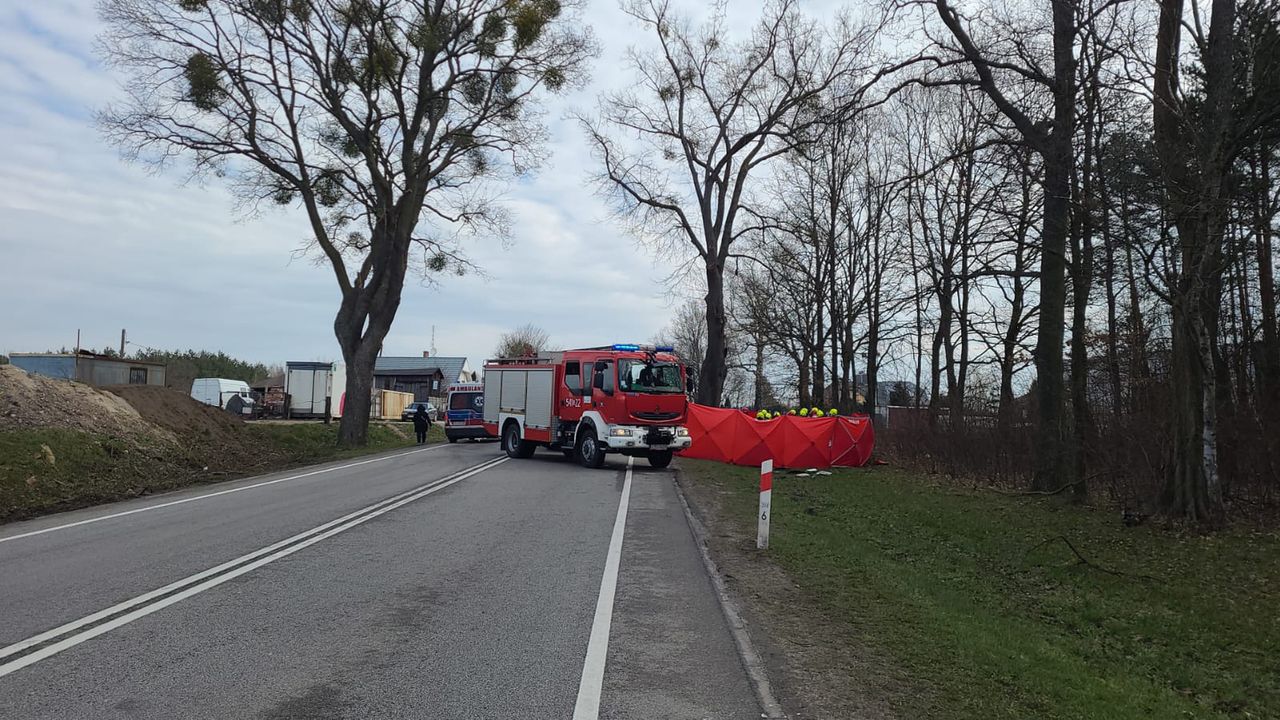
588,704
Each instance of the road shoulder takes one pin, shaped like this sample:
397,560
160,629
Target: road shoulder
671,651
816,666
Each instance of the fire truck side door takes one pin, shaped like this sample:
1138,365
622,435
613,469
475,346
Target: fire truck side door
576,384
603,388
602,379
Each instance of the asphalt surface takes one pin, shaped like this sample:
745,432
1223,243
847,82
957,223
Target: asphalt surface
342,593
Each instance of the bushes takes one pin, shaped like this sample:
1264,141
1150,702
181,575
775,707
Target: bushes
1126,459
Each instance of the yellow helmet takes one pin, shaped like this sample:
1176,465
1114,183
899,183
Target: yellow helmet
804,412
791,411
817,412
777,414
833,411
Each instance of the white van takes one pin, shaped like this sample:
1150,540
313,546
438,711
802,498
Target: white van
219,391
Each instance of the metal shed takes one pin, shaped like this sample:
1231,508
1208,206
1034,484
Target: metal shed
90,368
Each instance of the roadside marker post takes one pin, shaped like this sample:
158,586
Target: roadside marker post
766,501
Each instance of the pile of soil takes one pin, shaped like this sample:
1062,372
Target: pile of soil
32,401
159,419
176,412
65,444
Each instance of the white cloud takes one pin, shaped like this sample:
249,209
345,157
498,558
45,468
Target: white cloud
89,242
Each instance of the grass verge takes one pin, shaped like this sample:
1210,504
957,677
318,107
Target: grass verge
52,470
982,610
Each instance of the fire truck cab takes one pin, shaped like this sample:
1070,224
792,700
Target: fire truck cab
627,399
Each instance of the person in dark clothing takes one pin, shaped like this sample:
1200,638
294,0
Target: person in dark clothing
421,423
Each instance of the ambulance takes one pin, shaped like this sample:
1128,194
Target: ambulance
464,412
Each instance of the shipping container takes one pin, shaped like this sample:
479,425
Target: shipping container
313,388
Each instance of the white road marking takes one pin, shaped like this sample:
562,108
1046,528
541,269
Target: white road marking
213,494
588,705
312,537
127,604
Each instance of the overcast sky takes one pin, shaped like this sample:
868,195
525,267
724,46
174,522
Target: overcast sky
90,242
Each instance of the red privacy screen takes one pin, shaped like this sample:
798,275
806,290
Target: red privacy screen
791,441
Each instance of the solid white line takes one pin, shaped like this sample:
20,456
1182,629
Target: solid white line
214,494
311,537
588,705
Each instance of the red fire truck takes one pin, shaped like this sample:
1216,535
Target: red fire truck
627,399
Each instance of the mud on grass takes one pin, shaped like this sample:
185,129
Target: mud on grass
916,600
45,470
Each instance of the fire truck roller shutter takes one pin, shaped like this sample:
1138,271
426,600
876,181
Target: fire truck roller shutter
513,391
492,391
539,398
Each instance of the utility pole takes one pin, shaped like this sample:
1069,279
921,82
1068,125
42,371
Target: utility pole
122,337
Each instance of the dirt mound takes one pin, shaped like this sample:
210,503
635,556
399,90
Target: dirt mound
33,401
182,415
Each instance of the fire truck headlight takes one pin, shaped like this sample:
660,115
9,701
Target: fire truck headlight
619,432
682,432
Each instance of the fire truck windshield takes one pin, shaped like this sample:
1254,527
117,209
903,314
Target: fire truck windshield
639,377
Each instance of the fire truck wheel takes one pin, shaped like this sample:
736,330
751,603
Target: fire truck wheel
660,458
511,442
589,452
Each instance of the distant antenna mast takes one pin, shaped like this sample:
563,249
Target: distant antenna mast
433,341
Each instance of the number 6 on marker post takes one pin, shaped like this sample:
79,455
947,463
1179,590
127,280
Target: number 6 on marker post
766,497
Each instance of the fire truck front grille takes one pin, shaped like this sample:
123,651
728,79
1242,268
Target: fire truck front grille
659,436
655,415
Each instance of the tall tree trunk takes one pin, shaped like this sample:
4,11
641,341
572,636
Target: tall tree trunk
1081,284
1269,368
1136,337
849,378
1244,331
1109,282
935,374
1193,489
1052,457
1053,454
1017,305
714,366
363,320
819,358
1197,205
759,394
873,368
803,380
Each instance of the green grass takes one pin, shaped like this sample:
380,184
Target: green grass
317,442
85,469
88,469
962,594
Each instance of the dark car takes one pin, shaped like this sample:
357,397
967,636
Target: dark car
412,409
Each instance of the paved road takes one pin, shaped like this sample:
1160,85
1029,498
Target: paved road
442,583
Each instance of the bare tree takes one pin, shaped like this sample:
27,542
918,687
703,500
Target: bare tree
705,115
525,341
385,120
1199,134
1003,65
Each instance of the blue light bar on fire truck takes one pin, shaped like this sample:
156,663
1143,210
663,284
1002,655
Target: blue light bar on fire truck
632,347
